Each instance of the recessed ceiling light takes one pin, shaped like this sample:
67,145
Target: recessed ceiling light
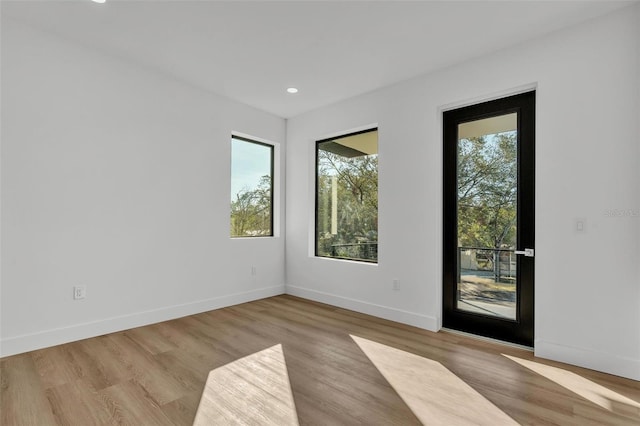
292,90
98,1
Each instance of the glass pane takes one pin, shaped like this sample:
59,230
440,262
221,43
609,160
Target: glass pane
251,189
347,197
487,216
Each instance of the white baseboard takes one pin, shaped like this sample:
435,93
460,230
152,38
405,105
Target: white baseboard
392,314
599,361
58,336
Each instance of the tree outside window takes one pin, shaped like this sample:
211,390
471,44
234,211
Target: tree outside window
251,188
347,197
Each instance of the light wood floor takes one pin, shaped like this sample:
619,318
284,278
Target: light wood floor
343,368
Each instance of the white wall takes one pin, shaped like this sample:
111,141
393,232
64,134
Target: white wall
587,285
117,178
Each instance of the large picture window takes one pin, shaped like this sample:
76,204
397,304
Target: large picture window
251,188
347,197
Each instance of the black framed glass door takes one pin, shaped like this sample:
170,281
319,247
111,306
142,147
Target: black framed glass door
489,165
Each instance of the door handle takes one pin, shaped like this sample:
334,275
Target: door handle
527,252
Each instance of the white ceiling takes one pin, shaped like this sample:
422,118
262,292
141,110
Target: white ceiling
253,51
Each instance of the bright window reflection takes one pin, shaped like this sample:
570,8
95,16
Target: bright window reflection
252,390
434,394
598,394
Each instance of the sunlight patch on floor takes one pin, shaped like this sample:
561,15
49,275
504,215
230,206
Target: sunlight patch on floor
434,394
598,394
252,390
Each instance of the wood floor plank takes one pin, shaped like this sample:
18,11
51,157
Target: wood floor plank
151,339
189,369
156,375
147,373
54,366
86,359
77,400
23,400
129,404
182,411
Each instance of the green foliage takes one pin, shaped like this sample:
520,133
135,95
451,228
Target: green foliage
251,211
356,188
487,191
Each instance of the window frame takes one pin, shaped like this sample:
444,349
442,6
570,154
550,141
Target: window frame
366,129
272,170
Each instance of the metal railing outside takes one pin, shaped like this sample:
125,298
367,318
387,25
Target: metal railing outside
498,263
365,251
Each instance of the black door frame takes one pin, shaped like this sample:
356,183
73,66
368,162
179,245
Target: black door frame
520,331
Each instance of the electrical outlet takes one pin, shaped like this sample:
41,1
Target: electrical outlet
396,284
254,271
79,292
